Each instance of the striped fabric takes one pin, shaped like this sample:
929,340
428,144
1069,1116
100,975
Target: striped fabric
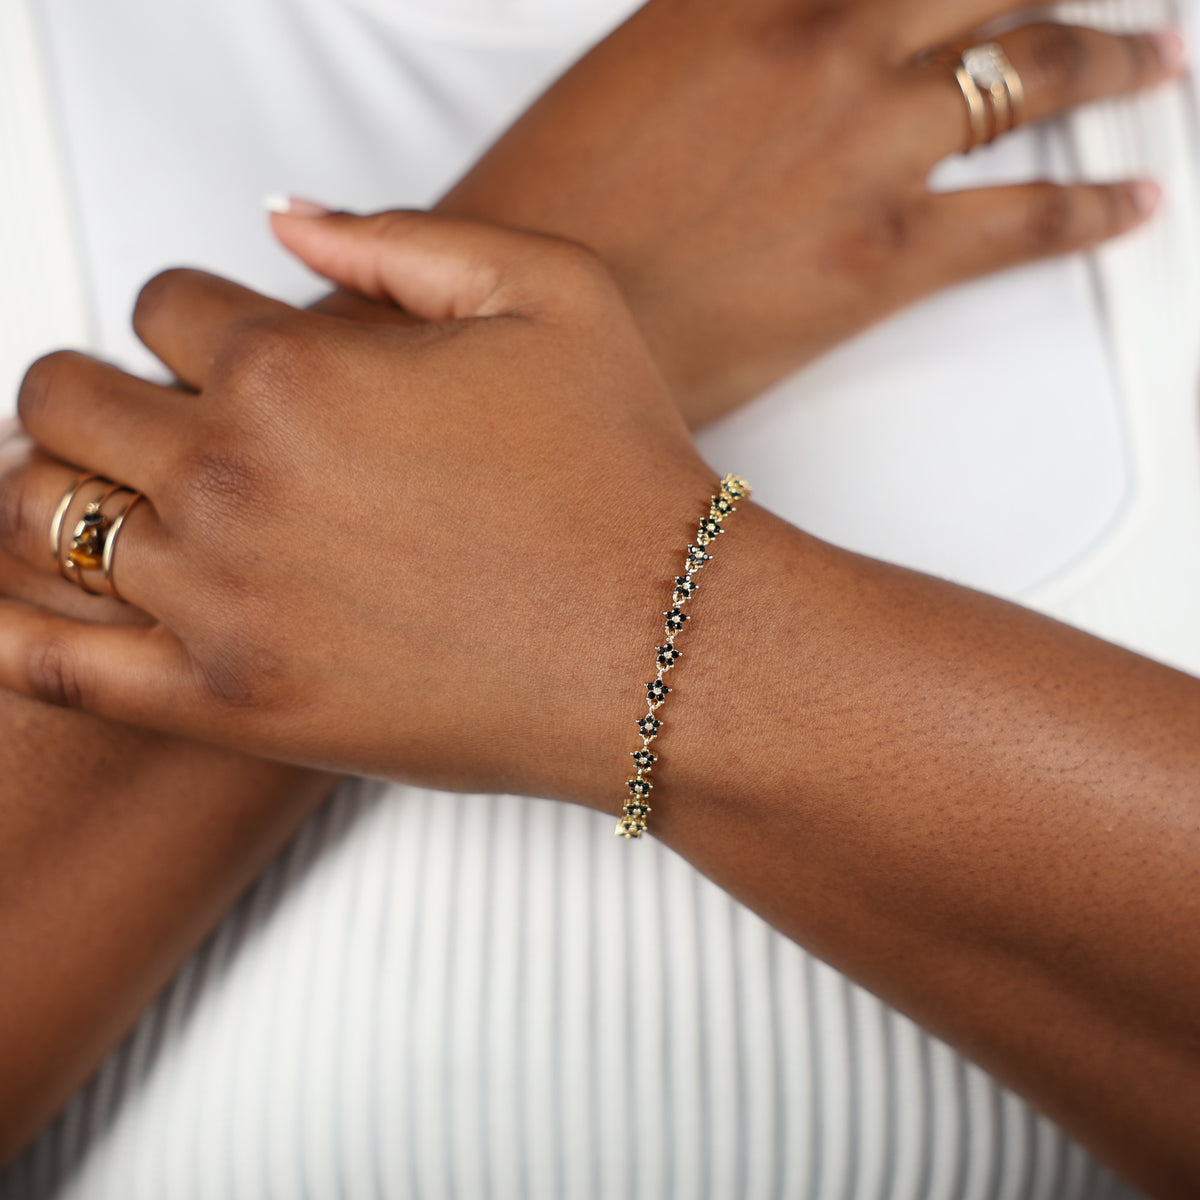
434,996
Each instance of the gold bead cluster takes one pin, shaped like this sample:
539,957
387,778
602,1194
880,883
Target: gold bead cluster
637,806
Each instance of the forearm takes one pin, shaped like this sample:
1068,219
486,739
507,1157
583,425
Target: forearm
986,817
118,853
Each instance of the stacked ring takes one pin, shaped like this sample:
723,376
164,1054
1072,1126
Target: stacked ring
110,545
976,107
60,516
993,90
94,538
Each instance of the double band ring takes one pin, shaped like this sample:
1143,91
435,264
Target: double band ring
993,90
93,544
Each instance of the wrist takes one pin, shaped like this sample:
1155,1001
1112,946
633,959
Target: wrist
709,372
706,733
593,649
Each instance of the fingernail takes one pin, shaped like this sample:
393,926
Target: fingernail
294,206
9,428
1172,48
1147,195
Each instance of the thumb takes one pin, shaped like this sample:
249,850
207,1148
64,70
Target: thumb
437,268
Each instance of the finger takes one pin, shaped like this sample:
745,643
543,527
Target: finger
437,268
184,316
30,495
991,228
1063,66
19,581
918,26
134,675
85,411
1060,67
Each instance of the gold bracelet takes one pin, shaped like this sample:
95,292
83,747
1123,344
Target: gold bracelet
637,807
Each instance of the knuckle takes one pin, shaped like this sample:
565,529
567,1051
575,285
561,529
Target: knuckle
547,270
1051,221
1061,58
882,232
820,35
240,673
218,479
54,675
42,381
395,222
263,360
155,293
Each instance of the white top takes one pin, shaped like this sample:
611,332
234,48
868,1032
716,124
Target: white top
464,996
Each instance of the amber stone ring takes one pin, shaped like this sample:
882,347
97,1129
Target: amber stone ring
93,540
87,542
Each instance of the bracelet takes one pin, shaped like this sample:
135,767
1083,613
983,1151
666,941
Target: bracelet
633,819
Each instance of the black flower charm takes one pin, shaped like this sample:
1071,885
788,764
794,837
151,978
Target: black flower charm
639,787
656,691
708,530
643,758
696,558
649,725
630,827
722,506
638,812
667,656
676,619
735,488
685,588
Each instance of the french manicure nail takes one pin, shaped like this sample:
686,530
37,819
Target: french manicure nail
1147,195
1172,48
294,206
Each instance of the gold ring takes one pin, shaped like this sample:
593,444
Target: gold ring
976,108
992,71
86,552
110,545
60,516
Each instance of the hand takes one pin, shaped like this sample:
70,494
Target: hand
755,173
431,553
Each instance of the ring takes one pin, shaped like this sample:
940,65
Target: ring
992,72
110,545
60,516
86,552
93,540
976,108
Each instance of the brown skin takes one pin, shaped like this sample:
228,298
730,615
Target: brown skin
805,134
120,853
121,849
578,412
989,818
189,826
